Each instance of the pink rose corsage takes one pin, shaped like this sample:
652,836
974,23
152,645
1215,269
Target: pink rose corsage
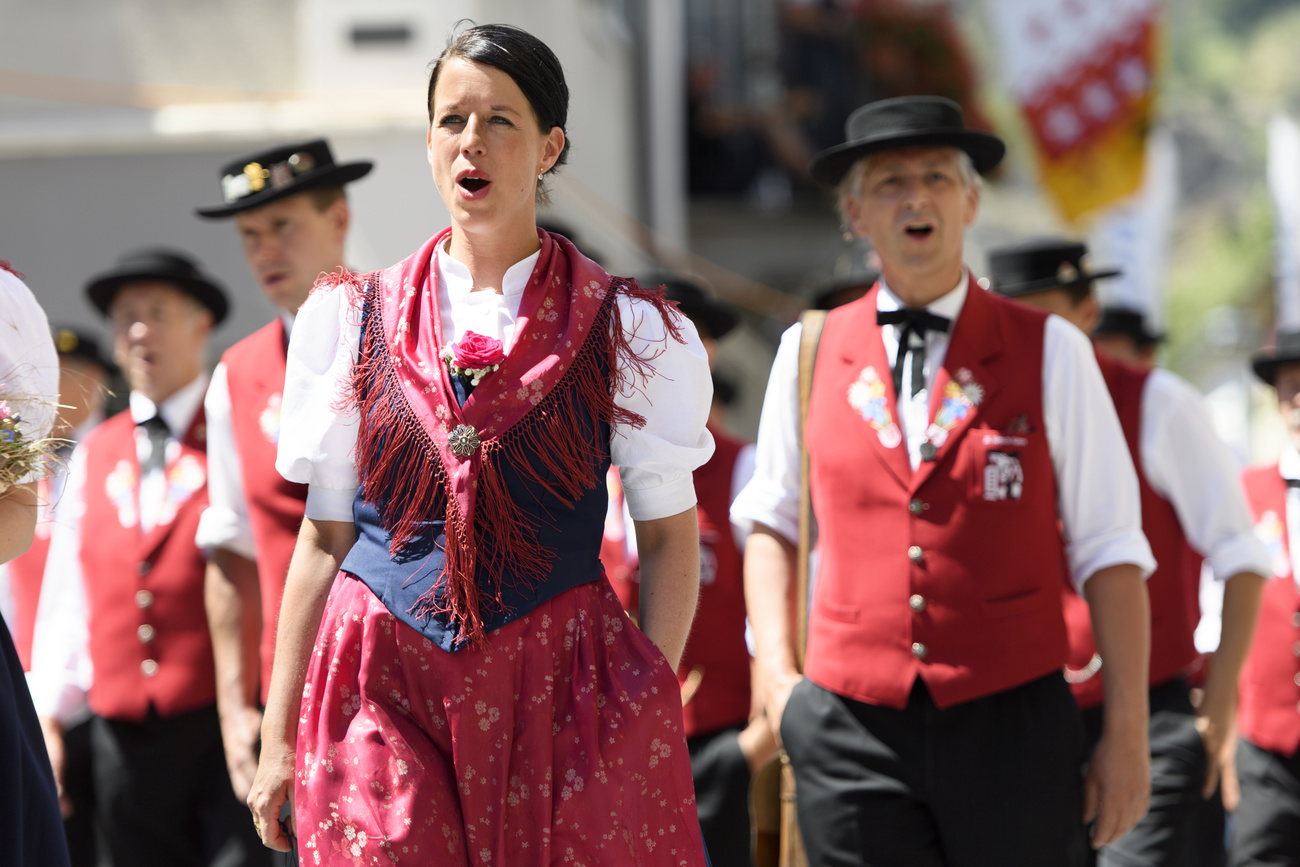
474,357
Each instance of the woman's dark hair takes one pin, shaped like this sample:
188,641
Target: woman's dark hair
528,62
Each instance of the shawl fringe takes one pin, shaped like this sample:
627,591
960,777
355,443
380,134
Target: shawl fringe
556,447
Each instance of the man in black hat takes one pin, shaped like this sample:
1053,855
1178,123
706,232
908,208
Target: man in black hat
950,433
1266,824
1124,334
122,625
291,214
1193,509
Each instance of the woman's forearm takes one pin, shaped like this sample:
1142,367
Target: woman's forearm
321,547
669,552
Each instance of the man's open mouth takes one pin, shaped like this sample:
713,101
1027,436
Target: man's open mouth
918,230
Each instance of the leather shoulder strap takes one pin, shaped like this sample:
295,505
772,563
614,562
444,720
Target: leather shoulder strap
812,322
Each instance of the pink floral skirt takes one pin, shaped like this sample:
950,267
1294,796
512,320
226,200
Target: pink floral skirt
559,742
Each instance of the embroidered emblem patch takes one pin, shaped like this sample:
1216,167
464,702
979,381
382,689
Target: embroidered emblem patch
269,419
867,396
1272,532
1004,478
120,488
184,477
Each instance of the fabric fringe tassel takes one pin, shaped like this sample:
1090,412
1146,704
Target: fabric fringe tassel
557,447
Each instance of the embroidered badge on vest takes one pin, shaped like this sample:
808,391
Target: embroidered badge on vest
120,488
183,478
269,419
1004,477
867,396
960,396
1272,532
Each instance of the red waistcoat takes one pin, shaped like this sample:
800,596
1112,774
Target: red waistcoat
26,573
715,649
1269,716
255,378
149,639
951,573
1174,588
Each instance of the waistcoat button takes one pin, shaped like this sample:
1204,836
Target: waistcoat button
145,633
915,553
149,668
143,598
916,602
918,650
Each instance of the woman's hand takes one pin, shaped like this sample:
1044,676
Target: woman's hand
272,787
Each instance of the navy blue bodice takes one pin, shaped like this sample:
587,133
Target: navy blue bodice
573,535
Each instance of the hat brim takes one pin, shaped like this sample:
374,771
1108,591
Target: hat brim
330,176
1265,364
1016,289
985,150
104,289
713,318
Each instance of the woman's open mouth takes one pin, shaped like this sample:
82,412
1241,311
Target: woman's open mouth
473,184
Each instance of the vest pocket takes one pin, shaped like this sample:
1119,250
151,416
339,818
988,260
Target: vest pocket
836,611
997,462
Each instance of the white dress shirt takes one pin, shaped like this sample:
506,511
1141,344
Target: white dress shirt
224,523
1289,468
1097,490
655,462
61,672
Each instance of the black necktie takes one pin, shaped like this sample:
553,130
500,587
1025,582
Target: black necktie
909,322
1293,483
157,430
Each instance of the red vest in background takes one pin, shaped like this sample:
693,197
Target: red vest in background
951,573
714,671
1174,588
149,640
255,378
26,572
1269,715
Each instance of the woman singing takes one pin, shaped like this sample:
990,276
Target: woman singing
455,682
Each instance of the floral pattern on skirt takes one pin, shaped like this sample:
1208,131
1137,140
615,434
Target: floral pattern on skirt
558,742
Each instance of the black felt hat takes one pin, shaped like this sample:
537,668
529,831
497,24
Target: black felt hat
155,264
254,180
73,342
1126,322
1035,266
1285,350
906,121
708,313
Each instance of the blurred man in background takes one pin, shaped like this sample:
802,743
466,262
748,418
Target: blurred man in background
292,217
121,624
1193,509
1266,826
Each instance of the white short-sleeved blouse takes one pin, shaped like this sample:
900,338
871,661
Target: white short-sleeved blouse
656,462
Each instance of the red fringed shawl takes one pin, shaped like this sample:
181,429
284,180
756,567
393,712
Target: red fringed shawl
571,355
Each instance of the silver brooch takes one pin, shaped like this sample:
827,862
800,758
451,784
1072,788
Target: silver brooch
464,440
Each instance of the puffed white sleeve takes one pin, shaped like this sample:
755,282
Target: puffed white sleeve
1097,487
656,462
29,365
318,431
772,496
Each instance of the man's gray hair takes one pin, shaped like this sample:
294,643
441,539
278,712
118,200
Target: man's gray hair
850,185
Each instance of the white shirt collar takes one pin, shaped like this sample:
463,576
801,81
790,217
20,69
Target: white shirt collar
178,410
1288,464
456,277
287,317
947,306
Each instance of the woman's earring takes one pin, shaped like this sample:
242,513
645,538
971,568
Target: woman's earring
539,177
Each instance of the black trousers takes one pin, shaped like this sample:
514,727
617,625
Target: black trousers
79,787
721,776
163,794
1266,826
1167,834
994,781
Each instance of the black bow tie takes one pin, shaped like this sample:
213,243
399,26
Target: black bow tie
158,432
911,321
1292,483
